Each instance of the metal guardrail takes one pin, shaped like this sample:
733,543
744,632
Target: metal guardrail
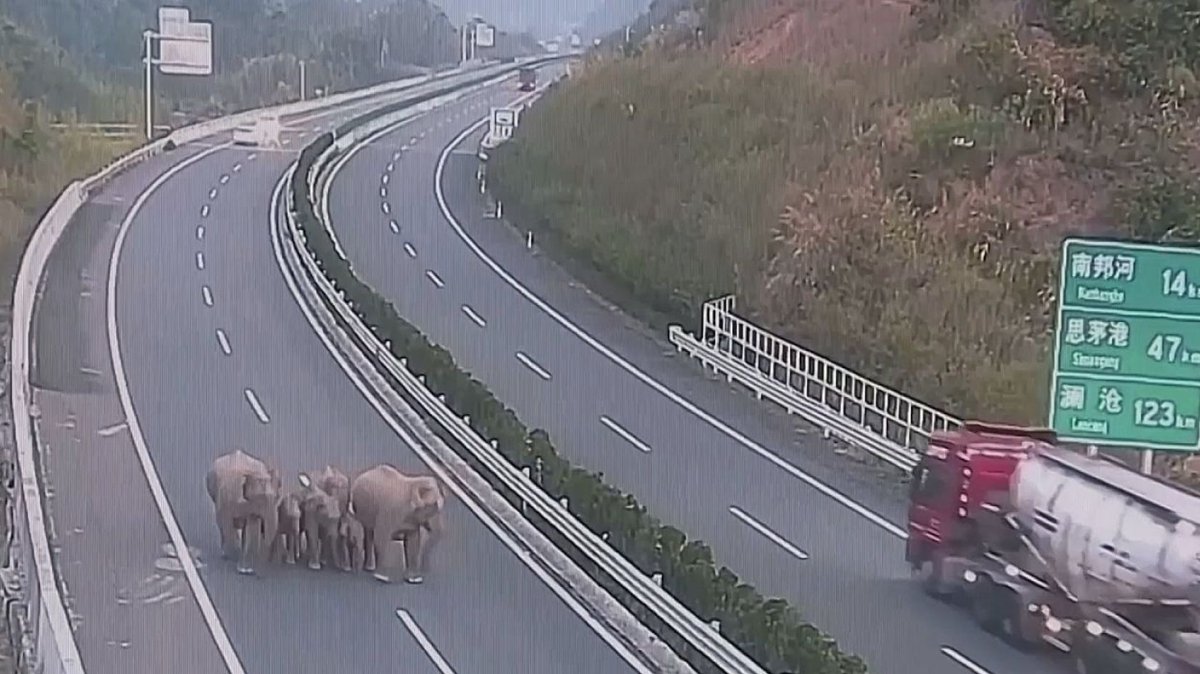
702,636
890,425
38,626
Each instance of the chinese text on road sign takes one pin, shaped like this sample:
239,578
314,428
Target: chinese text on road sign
1127,346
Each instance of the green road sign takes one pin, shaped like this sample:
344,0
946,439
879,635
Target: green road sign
1127,346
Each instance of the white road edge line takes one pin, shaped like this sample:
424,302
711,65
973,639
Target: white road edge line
528,362
256,406
475,318
963,660
224,342
207,610
433,278
200,260
206,293
768,533
463,497
616,358
424,642
619,430
412,252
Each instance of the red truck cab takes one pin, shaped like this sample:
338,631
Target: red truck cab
963,474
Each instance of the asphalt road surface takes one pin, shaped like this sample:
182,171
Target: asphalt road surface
780,509
216,354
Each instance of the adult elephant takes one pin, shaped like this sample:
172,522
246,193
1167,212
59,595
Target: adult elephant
245,492
393,506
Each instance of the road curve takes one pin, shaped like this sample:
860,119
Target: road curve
214,353
771,498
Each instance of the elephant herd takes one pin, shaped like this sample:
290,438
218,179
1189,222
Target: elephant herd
329,518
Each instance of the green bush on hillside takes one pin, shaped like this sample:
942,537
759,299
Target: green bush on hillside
768,630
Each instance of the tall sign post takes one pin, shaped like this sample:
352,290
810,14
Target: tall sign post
185,48
1126,368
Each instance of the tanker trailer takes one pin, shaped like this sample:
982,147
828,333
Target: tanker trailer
1049,546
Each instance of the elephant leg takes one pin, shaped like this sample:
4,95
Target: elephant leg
293,547
369,561
358,553
228,532
250,536
413,552
384,562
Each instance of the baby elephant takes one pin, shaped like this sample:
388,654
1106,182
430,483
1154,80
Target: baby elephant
286,546
350,550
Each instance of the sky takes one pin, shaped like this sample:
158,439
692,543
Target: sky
544,17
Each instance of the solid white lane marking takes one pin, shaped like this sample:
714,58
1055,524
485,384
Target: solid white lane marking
395,228
476,318
412,252
212,194
619,430
207,295
433,278
963,660
109,431
424,642
662,389
224,178
204,210
435,466
224,342
768,533
256,406
200,260
200,232
529,363
183,552
387,208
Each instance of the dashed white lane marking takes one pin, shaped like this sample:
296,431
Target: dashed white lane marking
391,167
204,211
395,227
963,660
395,156
412,252
200,261
529,363
206,293
237,167
475,318
387,208
383,193
224,342
768,533
212,194
200,233
434,279
224,178
629,437
256,406
109,431
252,156
413,141
386,178
424,642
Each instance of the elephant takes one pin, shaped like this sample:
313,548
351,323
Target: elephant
287,541
320,513
393,506
245,492
350,553
335,483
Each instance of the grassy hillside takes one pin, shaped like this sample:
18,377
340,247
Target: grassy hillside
884,183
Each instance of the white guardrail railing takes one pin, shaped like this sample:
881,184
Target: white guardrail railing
701,635
38,627
890,425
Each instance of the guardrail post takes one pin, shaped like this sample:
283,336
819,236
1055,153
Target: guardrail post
563,502
716,625
657,578
524,505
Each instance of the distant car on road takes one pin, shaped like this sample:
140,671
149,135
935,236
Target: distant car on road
263,131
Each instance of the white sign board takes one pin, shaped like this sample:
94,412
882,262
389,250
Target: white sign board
503,121
485,35
172,19
188,50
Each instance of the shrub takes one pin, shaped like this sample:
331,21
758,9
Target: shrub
769,630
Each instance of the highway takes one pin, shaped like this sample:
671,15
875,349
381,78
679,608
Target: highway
771,498
165,297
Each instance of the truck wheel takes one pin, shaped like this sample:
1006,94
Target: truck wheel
984,605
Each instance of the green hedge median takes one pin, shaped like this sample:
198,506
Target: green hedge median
768,630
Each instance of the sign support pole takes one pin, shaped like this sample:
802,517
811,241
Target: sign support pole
149,60
302,89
